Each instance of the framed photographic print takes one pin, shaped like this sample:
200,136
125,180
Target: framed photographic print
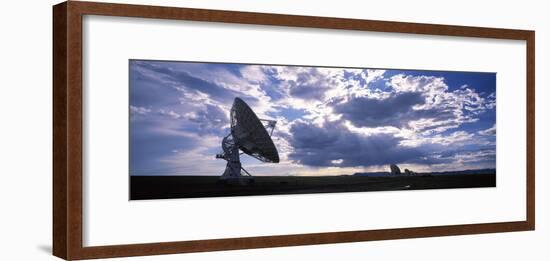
248,130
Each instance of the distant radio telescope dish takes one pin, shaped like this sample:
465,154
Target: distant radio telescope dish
250,135
395,170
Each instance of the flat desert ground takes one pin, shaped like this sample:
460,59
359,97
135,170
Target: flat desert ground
164,187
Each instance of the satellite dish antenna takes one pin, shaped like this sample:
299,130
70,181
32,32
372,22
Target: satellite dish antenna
250,135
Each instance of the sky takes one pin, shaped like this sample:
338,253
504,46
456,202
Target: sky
330,121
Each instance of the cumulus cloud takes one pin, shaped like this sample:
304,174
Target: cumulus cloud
307,83
442,108
395,110
254,73
371,76
210,119
333,144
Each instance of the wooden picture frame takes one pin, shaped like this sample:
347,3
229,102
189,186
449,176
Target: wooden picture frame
68,118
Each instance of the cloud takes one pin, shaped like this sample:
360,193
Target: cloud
396,110
211,119
453,138
424,104
467,158
254,73
169,113
334,145
151,141
306,83
136,110
488,132
372,75
181,81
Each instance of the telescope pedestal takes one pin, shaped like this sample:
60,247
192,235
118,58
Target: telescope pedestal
232,170
232,173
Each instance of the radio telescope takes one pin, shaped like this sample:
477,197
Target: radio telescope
249,134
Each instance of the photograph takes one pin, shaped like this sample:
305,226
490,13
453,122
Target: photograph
208,129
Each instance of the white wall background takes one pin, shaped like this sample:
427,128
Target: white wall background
25,132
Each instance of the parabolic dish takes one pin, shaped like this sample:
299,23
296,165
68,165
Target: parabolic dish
250,134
